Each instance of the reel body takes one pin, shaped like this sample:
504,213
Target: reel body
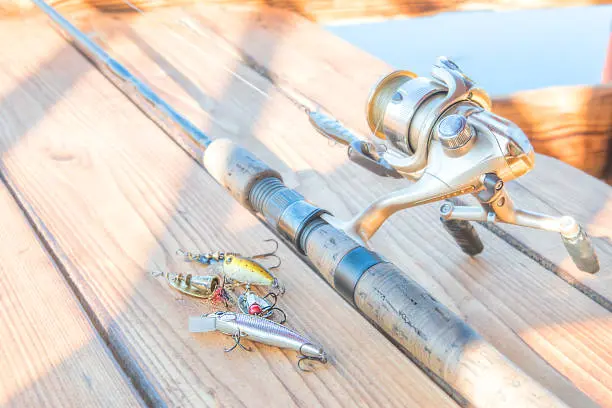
441,134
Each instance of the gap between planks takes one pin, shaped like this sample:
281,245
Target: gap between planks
487,291
141,386
51,353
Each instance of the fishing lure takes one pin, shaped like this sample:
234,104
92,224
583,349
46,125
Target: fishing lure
255,328
202,286
250,303
237,268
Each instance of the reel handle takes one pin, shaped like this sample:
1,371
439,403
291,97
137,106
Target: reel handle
465,235
580,249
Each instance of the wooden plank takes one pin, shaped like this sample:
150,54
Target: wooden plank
512,301
310,70
318,10
557,188
51,355
125,198
570,123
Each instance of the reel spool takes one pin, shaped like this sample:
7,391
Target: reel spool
404,110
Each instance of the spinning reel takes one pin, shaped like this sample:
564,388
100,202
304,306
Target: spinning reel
441,134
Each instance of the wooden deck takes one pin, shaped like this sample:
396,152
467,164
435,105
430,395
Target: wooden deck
96,197
315,10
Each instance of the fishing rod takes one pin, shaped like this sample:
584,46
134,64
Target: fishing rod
427,330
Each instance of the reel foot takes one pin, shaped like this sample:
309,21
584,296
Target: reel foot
580,249
465,235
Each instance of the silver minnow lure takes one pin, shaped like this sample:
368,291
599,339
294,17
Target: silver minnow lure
257,329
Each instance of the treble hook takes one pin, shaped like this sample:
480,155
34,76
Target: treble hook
272,295
221,294
276,285
321,360
266,254
271,254
273,307
237,343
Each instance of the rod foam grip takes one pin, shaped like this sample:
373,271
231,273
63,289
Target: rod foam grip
236,169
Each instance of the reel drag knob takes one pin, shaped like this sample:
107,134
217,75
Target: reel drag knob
454,132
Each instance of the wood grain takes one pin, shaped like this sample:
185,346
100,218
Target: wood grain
514,302
318,10
51,355
119,198
267,40
570,123
559,189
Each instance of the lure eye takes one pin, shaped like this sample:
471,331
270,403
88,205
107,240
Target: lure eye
228,260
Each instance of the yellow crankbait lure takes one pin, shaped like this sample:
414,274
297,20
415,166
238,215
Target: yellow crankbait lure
247,271
236,268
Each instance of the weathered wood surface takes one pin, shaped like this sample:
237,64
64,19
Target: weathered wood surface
116,198
515,303
319,10
570,123
338,76
51,355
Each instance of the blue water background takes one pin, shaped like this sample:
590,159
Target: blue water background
504,51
